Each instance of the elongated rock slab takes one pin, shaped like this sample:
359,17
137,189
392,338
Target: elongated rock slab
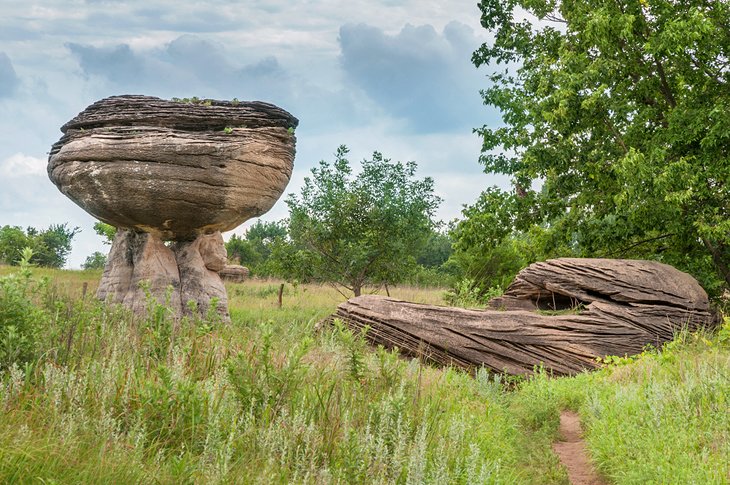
610,316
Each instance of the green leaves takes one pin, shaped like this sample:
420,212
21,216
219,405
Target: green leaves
362,229
620,112
106,231
254,249
50,246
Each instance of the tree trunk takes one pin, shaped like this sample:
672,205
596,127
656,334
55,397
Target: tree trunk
717,251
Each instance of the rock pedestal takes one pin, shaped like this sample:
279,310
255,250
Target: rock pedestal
171,176
141,266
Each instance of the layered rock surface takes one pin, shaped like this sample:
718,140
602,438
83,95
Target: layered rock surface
175,169
234,273
596,307
172,171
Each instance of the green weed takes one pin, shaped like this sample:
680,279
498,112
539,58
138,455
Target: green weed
105,397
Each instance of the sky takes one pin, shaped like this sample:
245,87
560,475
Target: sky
388,75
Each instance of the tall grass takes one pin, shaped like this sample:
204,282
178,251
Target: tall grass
267,399
662,417
272,398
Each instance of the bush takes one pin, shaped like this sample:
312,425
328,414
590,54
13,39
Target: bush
466,293
19,317
97,260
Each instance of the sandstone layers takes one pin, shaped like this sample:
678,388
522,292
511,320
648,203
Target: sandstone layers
234,273
172,171
562,313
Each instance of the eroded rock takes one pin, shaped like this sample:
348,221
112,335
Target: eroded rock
172,171
234,273
182,276
199,262
140,266
563,283
598,307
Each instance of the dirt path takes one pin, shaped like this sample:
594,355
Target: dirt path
571,450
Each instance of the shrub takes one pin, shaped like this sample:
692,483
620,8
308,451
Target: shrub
97,260
20,318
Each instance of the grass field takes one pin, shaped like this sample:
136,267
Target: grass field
98,396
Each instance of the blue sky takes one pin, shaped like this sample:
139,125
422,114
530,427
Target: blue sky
387,75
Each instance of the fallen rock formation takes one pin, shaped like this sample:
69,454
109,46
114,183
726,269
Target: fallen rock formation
562,314
234,273
172,171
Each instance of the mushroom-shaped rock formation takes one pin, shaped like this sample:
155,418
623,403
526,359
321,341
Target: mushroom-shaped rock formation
174,171
562,313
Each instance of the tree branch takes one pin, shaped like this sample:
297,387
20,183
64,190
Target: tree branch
717,258
702,67
334,285
554,17
616,134
623,250
664,88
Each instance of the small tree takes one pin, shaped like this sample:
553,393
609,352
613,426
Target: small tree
50,246
263,235
436,251
241,249
12,241
97,260
359,230
254,248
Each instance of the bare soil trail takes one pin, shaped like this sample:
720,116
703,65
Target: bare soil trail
571,450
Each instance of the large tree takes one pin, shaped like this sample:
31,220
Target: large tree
616,126
356,230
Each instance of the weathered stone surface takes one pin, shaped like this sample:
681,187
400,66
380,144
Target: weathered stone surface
234,273
138,258
563,283
186,271
618,307
175,169
199,262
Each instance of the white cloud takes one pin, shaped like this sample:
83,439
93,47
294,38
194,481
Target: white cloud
284,51
20,164
419,75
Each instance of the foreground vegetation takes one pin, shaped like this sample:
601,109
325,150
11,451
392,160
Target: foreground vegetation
99,396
